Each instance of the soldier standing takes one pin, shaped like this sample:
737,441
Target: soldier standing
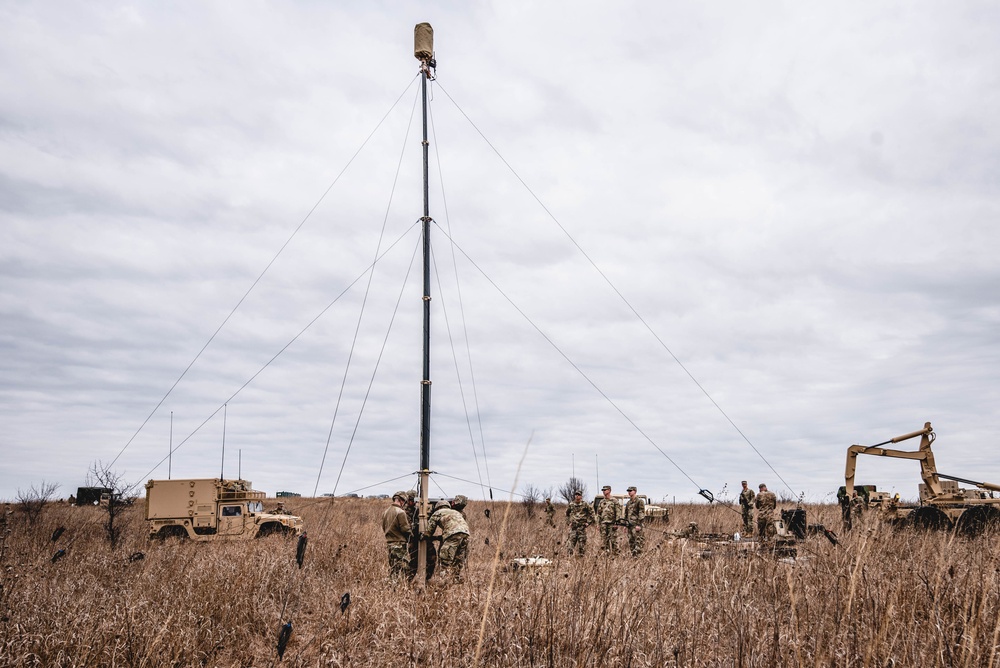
550,512
396,527
746,507
579,516
857,506
609,512
635,515
766,504
459,503
455,538
845,508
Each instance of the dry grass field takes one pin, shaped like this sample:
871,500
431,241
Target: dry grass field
880,598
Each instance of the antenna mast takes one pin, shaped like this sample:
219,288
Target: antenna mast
423,50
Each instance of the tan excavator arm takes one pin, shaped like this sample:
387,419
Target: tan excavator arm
924,455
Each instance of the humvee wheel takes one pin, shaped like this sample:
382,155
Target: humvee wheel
930,518
172,531
979,520
273,529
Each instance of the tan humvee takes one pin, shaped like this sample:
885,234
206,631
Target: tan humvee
653,512
212,509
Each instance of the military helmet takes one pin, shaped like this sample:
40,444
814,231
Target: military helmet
399,495
411,494
459,502
441,504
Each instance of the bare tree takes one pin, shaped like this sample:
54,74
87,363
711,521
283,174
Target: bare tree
118,500
572,485
34,500
530,496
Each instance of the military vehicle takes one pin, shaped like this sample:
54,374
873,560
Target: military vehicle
91,496
212,509
790,530
943,504
653,512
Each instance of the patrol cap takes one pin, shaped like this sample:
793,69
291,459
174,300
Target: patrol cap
743,482
577,492
631,488
606,488
761,486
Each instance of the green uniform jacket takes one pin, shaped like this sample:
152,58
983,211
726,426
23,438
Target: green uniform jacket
395,525
450,521
766,503
609,511
580,515
635,511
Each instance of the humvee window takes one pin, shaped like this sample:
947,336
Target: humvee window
231,511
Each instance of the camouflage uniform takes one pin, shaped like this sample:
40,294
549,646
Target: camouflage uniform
635,516
857,506
550,513
459,503
845,508
609,511
455,534
579,516
396,528
766,504
746,507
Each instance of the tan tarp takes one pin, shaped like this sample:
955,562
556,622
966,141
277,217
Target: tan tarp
423,41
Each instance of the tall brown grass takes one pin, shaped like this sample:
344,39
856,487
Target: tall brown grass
880,598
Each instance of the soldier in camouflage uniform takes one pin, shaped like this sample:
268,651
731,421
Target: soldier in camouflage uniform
459,503
579,516
857,506
766,504
455,538
635,516
550,512
609,512
746,506
396,527
845,508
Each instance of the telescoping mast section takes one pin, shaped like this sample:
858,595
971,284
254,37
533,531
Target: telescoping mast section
423,50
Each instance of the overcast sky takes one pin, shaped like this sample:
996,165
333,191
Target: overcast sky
800,201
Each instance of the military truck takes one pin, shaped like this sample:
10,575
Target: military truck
943,504
92,496
212,509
